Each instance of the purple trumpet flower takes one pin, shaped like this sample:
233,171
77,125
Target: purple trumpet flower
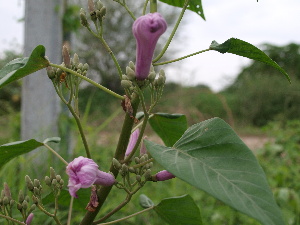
83,173
132,141
164,175
146,30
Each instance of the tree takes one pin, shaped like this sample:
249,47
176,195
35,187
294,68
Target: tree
40,105
260,94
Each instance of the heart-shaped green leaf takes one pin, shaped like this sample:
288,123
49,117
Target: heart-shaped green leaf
14,149
169,127
22,67
194,5
245,49
179,211
211,157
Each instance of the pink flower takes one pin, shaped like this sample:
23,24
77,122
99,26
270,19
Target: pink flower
29,219
164,175
132,141
83,173
147,29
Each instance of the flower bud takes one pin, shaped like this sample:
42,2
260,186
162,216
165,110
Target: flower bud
83,20
29,218
36,191
47,180
126,84
35,199
61,182
152,76
91,5
21,197
27,198
124,77
36,183
137,160
7,192
52,173
85,67
147,29
29,183
50,72
130,73
163,175
132,141
138,178
5,201
99,5
102,12
66,56
19,206
58,178
75,60
11,203
80,66
32,208
116,164
147,174
24,204
131,169
131,65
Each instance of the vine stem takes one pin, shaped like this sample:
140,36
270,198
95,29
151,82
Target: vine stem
119,155
70,211
153,6
127,217
108,49
173,32
181,58
56,154
12,219
88,80
83,138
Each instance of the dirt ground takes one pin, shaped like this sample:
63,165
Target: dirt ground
255,142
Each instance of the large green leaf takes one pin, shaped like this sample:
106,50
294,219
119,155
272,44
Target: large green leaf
14,149
22,67
169,127
179,211
245,49
211,157
194,5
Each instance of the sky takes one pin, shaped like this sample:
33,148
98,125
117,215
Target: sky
266,21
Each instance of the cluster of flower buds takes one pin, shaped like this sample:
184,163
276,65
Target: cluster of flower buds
129,80
5,198
54,182
97,12
60,76
35,187
23,205
141,169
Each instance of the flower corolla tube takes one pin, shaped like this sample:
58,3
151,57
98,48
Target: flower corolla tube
83,173
146,30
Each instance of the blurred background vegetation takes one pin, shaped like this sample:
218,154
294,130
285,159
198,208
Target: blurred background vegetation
260,102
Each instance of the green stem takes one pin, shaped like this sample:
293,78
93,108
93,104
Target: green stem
12,219
153,6
181,58
70,211
173,32
127,9
114,210
119,155
88,80
142,164
145,7
84,141
127,217
56,154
